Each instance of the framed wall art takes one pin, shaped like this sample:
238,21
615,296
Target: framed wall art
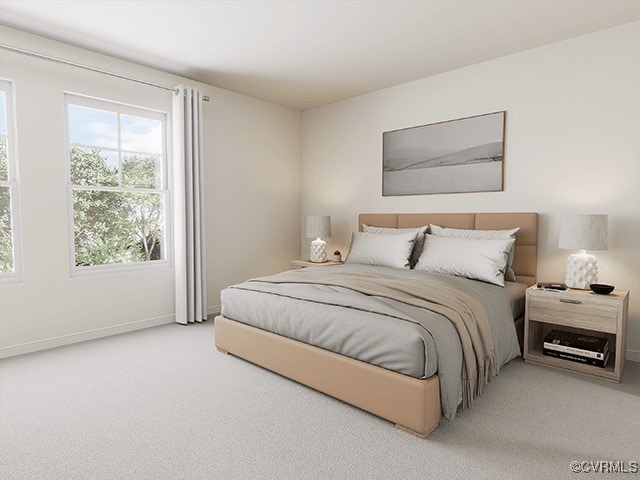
455,156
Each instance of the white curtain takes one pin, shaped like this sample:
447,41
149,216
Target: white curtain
188,201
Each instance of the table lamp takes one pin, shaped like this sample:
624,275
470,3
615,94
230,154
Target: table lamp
583,232
318,226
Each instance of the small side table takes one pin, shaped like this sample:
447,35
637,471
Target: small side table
309,263
578,311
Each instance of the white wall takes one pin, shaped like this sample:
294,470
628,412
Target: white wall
572,146
253,199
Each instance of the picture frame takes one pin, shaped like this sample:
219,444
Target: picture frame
463,155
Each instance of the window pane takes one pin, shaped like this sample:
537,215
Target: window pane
93,167
4,162
93,127
3,113
140,171
6,245
117,227
140,134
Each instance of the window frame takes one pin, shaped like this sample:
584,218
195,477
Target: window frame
8,87
119,108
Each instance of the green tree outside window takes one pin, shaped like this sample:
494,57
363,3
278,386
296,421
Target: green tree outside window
112,227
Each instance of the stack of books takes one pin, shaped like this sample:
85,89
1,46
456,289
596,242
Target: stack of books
577,347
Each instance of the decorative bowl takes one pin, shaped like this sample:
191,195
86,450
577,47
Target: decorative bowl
602,288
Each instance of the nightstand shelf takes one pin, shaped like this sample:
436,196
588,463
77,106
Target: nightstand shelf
309,263
577,311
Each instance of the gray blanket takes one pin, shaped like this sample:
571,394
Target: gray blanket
406,297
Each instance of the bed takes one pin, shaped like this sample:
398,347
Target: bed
414,402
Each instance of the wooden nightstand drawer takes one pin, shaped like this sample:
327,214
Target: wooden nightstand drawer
574,312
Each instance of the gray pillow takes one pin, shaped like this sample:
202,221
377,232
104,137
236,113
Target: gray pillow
473,258
417,247
481,234
381,249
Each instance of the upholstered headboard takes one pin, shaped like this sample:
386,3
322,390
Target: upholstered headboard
525,258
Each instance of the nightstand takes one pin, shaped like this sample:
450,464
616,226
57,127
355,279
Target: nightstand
309,263
578,311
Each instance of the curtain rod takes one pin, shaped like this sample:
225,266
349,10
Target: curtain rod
48,58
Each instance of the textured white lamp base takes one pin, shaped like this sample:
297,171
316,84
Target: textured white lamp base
318,251
582,270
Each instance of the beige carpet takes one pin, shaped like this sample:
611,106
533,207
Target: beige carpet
164,404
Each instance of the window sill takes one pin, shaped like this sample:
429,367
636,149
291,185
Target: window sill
10,278
120,268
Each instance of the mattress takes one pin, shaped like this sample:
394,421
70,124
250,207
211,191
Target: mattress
313,314
319,320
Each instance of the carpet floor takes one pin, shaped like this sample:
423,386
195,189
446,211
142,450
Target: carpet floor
162,403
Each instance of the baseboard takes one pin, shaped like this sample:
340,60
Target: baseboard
633,355
213,310
37,345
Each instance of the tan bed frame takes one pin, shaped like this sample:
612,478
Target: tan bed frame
412,404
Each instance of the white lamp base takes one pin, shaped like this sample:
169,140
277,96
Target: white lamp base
318,251
582,270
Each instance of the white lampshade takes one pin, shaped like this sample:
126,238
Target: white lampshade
583,232
318,226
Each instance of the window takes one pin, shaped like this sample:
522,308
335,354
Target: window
117,183
8,187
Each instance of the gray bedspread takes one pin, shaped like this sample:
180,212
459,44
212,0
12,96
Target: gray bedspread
376,329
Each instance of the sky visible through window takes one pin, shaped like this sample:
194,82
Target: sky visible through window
96,128
99,128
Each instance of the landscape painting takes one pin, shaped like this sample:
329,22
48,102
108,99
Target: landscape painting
456,156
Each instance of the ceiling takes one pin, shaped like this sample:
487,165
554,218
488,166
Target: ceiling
306,53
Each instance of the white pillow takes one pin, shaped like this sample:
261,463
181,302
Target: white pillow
417,247
483,234
381,249
474,258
